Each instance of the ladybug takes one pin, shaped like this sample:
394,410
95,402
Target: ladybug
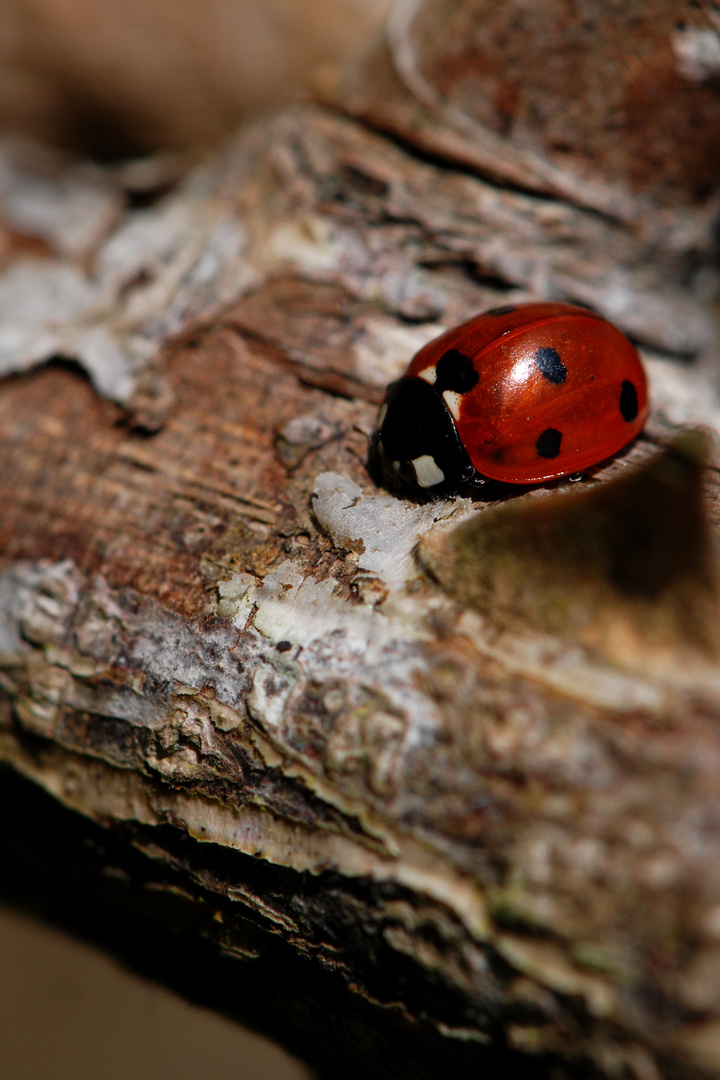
520,394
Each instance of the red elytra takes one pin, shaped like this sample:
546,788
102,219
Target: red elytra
535,391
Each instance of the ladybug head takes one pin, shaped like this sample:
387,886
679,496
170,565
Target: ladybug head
416,440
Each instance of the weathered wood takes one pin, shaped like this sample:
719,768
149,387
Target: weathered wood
219,650
609,105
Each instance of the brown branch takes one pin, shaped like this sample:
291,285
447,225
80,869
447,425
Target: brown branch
412,830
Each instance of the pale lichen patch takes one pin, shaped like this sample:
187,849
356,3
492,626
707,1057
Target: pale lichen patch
697,52
388,527
232,593
383,348
306,243
69,206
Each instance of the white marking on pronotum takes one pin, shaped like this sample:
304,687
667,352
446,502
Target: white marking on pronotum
396,466
427,472
382,414
429,374
453,401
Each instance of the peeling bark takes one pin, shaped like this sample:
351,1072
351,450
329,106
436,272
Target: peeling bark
478,843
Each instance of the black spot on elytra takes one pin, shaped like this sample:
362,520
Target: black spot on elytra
548,443
455,372
502,310
628,401
550,365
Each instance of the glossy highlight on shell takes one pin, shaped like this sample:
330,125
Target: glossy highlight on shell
521,394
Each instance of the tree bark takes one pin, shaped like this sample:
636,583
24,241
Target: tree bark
272,756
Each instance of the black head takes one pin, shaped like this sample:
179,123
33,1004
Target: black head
416,439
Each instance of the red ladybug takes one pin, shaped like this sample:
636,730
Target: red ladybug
520,394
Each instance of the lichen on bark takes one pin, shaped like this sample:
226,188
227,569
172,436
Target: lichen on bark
218,644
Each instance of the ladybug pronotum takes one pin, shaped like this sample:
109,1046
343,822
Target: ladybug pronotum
520,394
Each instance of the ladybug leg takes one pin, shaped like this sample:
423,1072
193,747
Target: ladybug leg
469,475
576,477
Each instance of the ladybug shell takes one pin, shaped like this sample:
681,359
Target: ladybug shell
537,391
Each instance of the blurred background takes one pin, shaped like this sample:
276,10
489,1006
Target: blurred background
114,79
68,1012
122,77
